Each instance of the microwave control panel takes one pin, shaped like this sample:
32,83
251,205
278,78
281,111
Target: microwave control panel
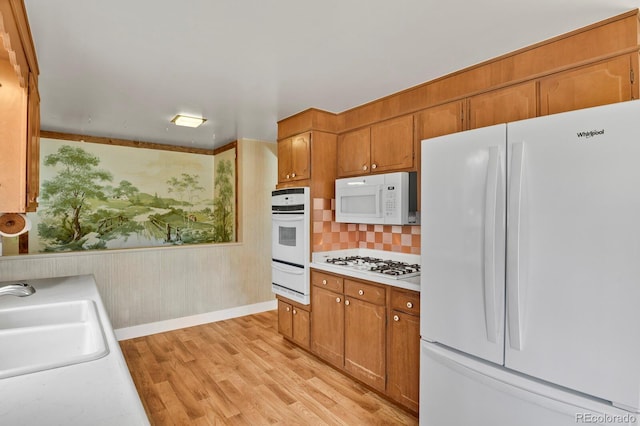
390,201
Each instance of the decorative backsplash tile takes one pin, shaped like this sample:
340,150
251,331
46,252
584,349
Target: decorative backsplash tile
329,235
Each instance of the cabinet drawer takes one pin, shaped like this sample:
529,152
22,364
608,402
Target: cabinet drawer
328,281
405,301
363,291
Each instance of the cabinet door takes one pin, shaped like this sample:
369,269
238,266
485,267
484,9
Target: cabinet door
603,83
327,325
285,319
404,359
365,342
505,105
392,145
301,327
439,120
284,160
33,146
353,153
301,157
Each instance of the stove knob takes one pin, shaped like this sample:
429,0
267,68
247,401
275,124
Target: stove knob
360,292
409,305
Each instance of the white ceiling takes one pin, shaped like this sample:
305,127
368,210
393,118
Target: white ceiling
124,68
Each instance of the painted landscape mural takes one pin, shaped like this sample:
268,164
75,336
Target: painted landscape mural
97,196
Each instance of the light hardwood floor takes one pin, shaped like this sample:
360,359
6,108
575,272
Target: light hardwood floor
242,372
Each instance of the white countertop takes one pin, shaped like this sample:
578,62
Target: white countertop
98,392
318,261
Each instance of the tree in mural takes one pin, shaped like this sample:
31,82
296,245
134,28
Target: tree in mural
187,187
223,218
67,194
125,190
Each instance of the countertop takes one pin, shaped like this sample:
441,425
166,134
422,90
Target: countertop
98,392
411,283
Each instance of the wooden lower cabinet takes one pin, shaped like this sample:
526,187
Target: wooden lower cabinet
352,328
293,321
365,341
404,359
327,325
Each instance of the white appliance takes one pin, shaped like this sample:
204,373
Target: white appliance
530,276
388,198
290,245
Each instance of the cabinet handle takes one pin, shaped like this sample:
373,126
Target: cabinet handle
293,175
364,167
288,309
287,176
396,318
324,282
360,292
409,305
337,300
295,312
374,166
346,302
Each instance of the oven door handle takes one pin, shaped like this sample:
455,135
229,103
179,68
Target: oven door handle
288,218
287,269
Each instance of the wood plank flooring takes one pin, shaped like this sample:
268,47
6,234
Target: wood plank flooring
242,372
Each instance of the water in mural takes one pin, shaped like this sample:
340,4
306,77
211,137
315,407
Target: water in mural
100,197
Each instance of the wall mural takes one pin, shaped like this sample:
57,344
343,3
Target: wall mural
98,196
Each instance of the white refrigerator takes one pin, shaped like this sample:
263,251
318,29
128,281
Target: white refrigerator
530,282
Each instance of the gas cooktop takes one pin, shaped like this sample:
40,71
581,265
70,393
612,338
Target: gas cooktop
390,268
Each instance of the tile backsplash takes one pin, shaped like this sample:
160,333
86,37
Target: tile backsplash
330,235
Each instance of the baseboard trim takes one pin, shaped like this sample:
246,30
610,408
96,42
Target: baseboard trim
190,321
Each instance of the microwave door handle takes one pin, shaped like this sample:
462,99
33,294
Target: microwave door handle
379,202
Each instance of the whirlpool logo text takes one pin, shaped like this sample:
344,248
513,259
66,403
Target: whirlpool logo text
590,133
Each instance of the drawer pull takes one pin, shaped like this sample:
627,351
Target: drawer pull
293,175
288,309
287,176
374,166
346,302
409,305
324,282
295,312
360,292
337,300
364,167
396,318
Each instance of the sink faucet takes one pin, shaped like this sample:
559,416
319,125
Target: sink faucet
17,289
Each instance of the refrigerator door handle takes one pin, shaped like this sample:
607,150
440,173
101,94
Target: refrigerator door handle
490,229
514,284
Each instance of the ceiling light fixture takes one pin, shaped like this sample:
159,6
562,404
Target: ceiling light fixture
185,120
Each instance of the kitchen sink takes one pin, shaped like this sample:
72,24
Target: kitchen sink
42,337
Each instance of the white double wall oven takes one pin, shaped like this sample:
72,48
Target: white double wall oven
290,244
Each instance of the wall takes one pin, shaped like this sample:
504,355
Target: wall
140,286
330,235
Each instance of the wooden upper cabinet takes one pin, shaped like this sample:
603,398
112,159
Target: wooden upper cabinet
505,105
599,84
33,146
19,112
383,147
354,152
392,145
294,158
439,120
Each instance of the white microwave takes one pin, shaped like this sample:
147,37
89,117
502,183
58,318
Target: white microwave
388,198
